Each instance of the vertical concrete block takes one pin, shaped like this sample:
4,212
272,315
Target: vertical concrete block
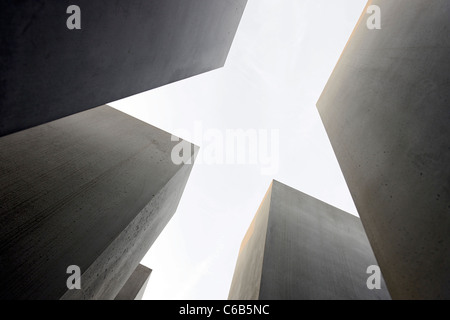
135,286
124,47
300,248
94,190
386,111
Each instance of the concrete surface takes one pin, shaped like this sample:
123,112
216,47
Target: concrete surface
387,113
311,251
247,275
93,189
135,286
123,47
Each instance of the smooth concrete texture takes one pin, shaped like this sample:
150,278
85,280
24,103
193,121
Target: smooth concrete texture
124,47
94,190
311,251
246,279
135,286
387,113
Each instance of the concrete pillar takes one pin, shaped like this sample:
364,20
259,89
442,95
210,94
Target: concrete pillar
94,190
298,247
386,112
135,286
124,47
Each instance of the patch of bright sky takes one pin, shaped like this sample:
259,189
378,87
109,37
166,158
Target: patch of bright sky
281,58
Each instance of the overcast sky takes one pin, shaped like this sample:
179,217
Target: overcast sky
280,61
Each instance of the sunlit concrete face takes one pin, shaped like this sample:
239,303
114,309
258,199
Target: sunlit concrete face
386,111
123,48
93,190
247,275
301,248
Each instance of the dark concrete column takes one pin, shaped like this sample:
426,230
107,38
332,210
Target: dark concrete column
94,190
135,286
387,113
298,247
124,47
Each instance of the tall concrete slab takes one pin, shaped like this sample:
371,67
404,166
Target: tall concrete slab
300,248
135,286
93,190
386,111
124,47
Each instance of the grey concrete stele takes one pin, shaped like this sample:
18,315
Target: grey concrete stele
386,109
135,286
94,190
124,47
300,248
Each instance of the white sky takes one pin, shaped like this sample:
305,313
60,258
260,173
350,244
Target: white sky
280,61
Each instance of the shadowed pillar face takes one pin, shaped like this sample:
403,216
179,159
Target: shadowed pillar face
298,247
135,286
48,71
386,111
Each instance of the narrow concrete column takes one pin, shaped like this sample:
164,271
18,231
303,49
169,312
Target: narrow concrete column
135,286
